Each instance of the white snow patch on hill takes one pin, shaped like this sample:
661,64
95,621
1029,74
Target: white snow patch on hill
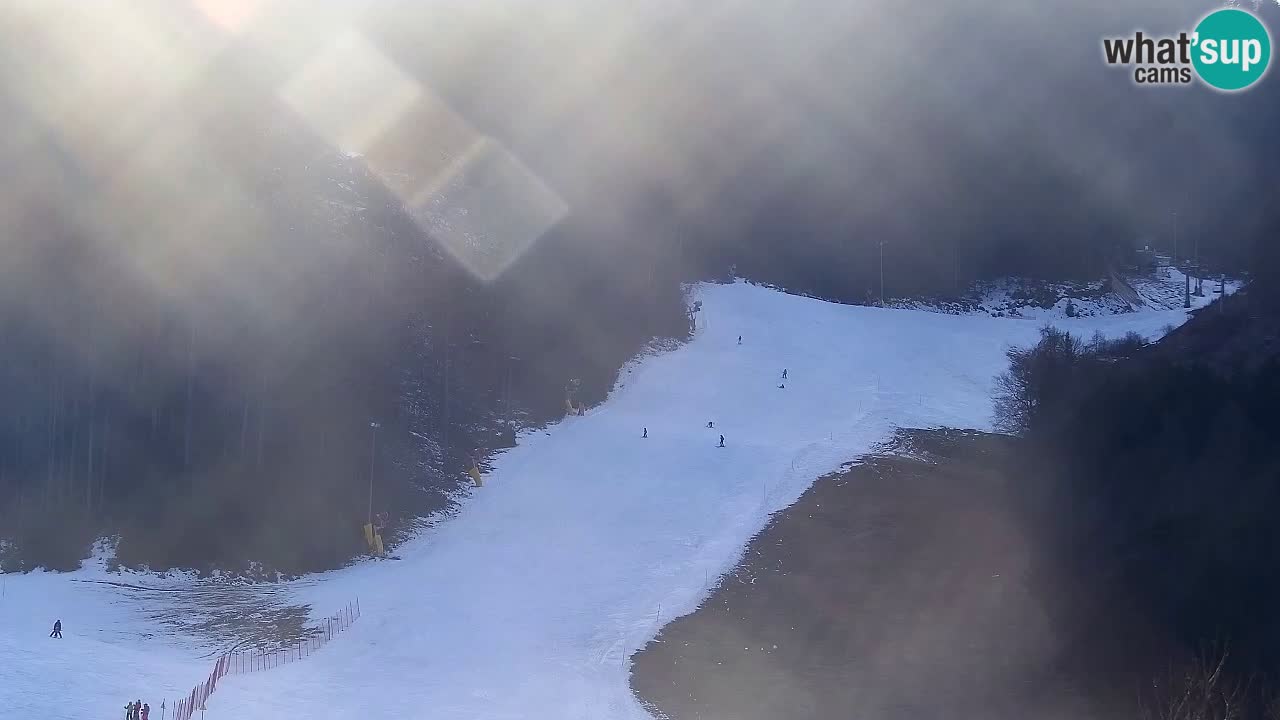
1043,301
585,540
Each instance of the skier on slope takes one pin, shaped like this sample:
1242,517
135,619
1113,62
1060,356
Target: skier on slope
646,434
57,629
721,441
739,339
784,373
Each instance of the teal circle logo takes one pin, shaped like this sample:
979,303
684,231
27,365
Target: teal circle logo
1232,49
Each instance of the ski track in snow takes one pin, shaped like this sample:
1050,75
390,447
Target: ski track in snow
585,540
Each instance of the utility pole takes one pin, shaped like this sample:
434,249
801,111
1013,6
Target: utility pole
373,446
1175,238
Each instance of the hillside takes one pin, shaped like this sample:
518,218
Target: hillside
1167,471
199,331
907,585
587,537
238,235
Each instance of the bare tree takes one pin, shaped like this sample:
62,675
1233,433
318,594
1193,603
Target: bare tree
1036,375
1203,689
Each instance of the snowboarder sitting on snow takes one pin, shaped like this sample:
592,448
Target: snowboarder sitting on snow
710,424
57,629
721,441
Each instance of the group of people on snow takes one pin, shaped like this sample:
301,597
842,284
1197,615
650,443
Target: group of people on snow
711,423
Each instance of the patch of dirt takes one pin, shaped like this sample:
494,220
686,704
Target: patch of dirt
906,587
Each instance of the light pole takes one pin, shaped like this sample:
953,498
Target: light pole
1196,263
955,267
882,273
506,400
373,445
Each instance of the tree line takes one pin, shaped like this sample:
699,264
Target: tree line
1160,492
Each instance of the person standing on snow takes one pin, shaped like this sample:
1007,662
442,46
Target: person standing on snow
721,441
57,629
784,373
145,713
739,339
646,434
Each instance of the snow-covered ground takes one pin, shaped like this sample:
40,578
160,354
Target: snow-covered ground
584,541
1043,301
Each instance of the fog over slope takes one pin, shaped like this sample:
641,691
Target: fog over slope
237,233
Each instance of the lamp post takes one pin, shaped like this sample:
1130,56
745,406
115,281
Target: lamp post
882,273
506,396
373,445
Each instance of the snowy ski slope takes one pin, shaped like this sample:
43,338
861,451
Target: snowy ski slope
584,541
